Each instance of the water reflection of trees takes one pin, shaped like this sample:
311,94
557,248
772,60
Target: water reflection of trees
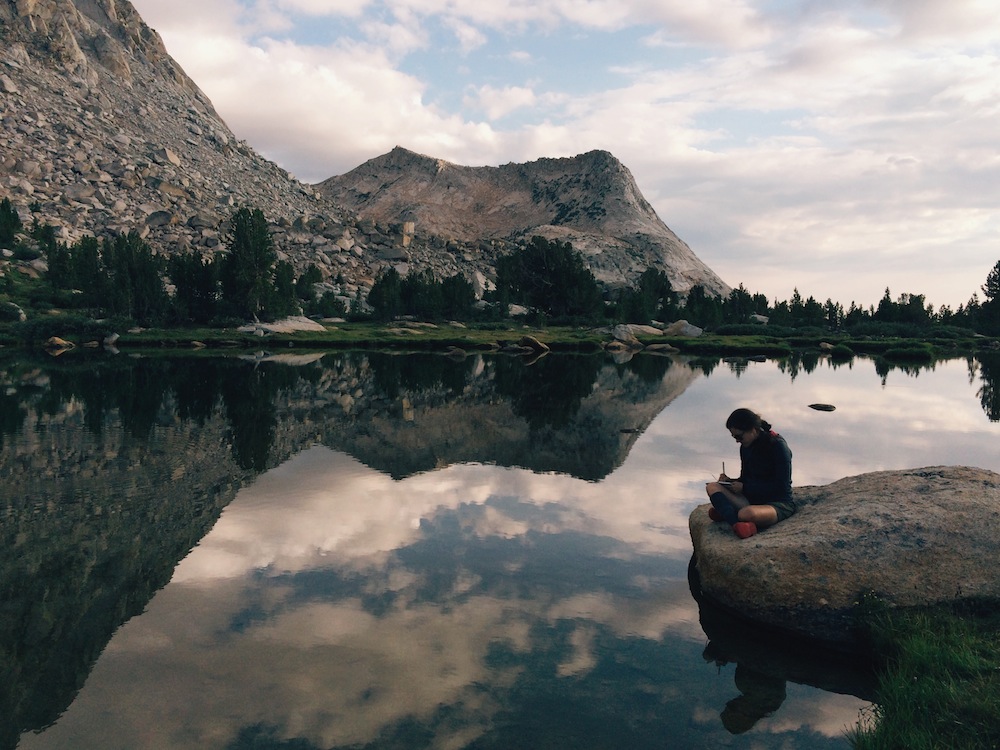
254,396
989,389
546,393
397,373
550,391
800,361
649,368
12,414
140,391
885,367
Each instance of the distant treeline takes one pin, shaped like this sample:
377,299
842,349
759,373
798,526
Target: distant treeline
548,280
120,277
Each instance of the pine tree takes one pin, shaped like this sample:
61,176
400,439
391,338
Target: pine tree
247,271
550,277
385,296
10,222
197,287
134,283
990,311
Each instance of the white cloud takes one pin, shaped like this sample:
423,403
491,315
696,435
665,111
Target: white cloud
500,102
974,21
734,24
469,37
398,39
349,8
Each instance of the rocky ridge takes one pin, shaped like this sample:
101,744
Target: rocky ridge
101,132
590,200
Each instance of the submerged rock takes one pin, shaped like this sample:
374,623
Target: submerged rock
915,537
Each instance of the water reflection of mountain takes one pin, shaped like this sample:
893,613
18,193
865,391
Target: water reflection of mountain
93,525
577,415
114,468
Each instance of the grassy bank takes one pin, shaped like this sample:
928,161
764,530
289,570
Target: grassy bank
939,687
415,336
365,335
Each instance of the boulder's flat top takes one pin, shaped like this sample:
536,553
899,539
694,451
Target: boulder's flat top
913,537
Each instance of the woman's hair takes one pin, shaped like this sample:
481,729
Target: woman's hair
745,419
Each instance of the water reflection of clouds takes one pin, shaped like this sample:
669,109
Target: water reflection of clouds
912,421
355,671
217,651
331,671
323,504
342,511
321,604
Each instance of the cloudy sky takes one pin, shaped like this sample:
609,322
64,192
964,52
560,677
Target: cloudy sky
834,146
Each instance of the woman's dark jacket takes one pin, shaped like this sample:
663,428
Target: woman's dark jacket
766,469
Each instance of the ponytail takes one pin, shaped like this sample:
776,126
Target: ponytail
745,420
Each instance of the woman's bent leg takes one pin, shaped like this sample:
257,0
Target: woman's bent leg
760,515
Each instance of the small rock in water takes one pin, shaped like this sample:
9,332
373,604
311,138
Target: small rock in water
822,407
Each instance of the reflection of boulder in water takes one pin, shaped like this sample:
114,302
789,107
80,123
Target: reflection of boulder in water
573,414
769,655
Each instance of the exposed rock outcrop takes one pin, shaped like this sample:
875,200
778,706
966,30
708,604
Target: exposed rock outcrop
102,132
590,200
913,538
683,328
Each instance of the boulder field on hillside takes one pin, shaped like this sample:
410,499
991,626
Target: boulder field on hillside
913,538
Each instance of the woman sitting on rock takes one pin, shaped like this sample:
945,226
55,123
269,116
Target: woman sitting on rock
762,494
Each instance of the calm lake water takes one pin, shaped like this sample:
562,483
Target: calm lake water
379,551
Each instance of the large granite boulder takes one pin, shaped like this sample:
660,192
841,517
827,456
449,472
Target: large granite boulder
914,537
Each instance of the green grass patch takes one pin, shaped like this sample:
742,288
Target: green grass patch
912,351
939,685
413,336
369,335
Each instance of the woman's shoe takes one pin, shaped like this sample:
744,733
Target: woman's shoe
745,529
